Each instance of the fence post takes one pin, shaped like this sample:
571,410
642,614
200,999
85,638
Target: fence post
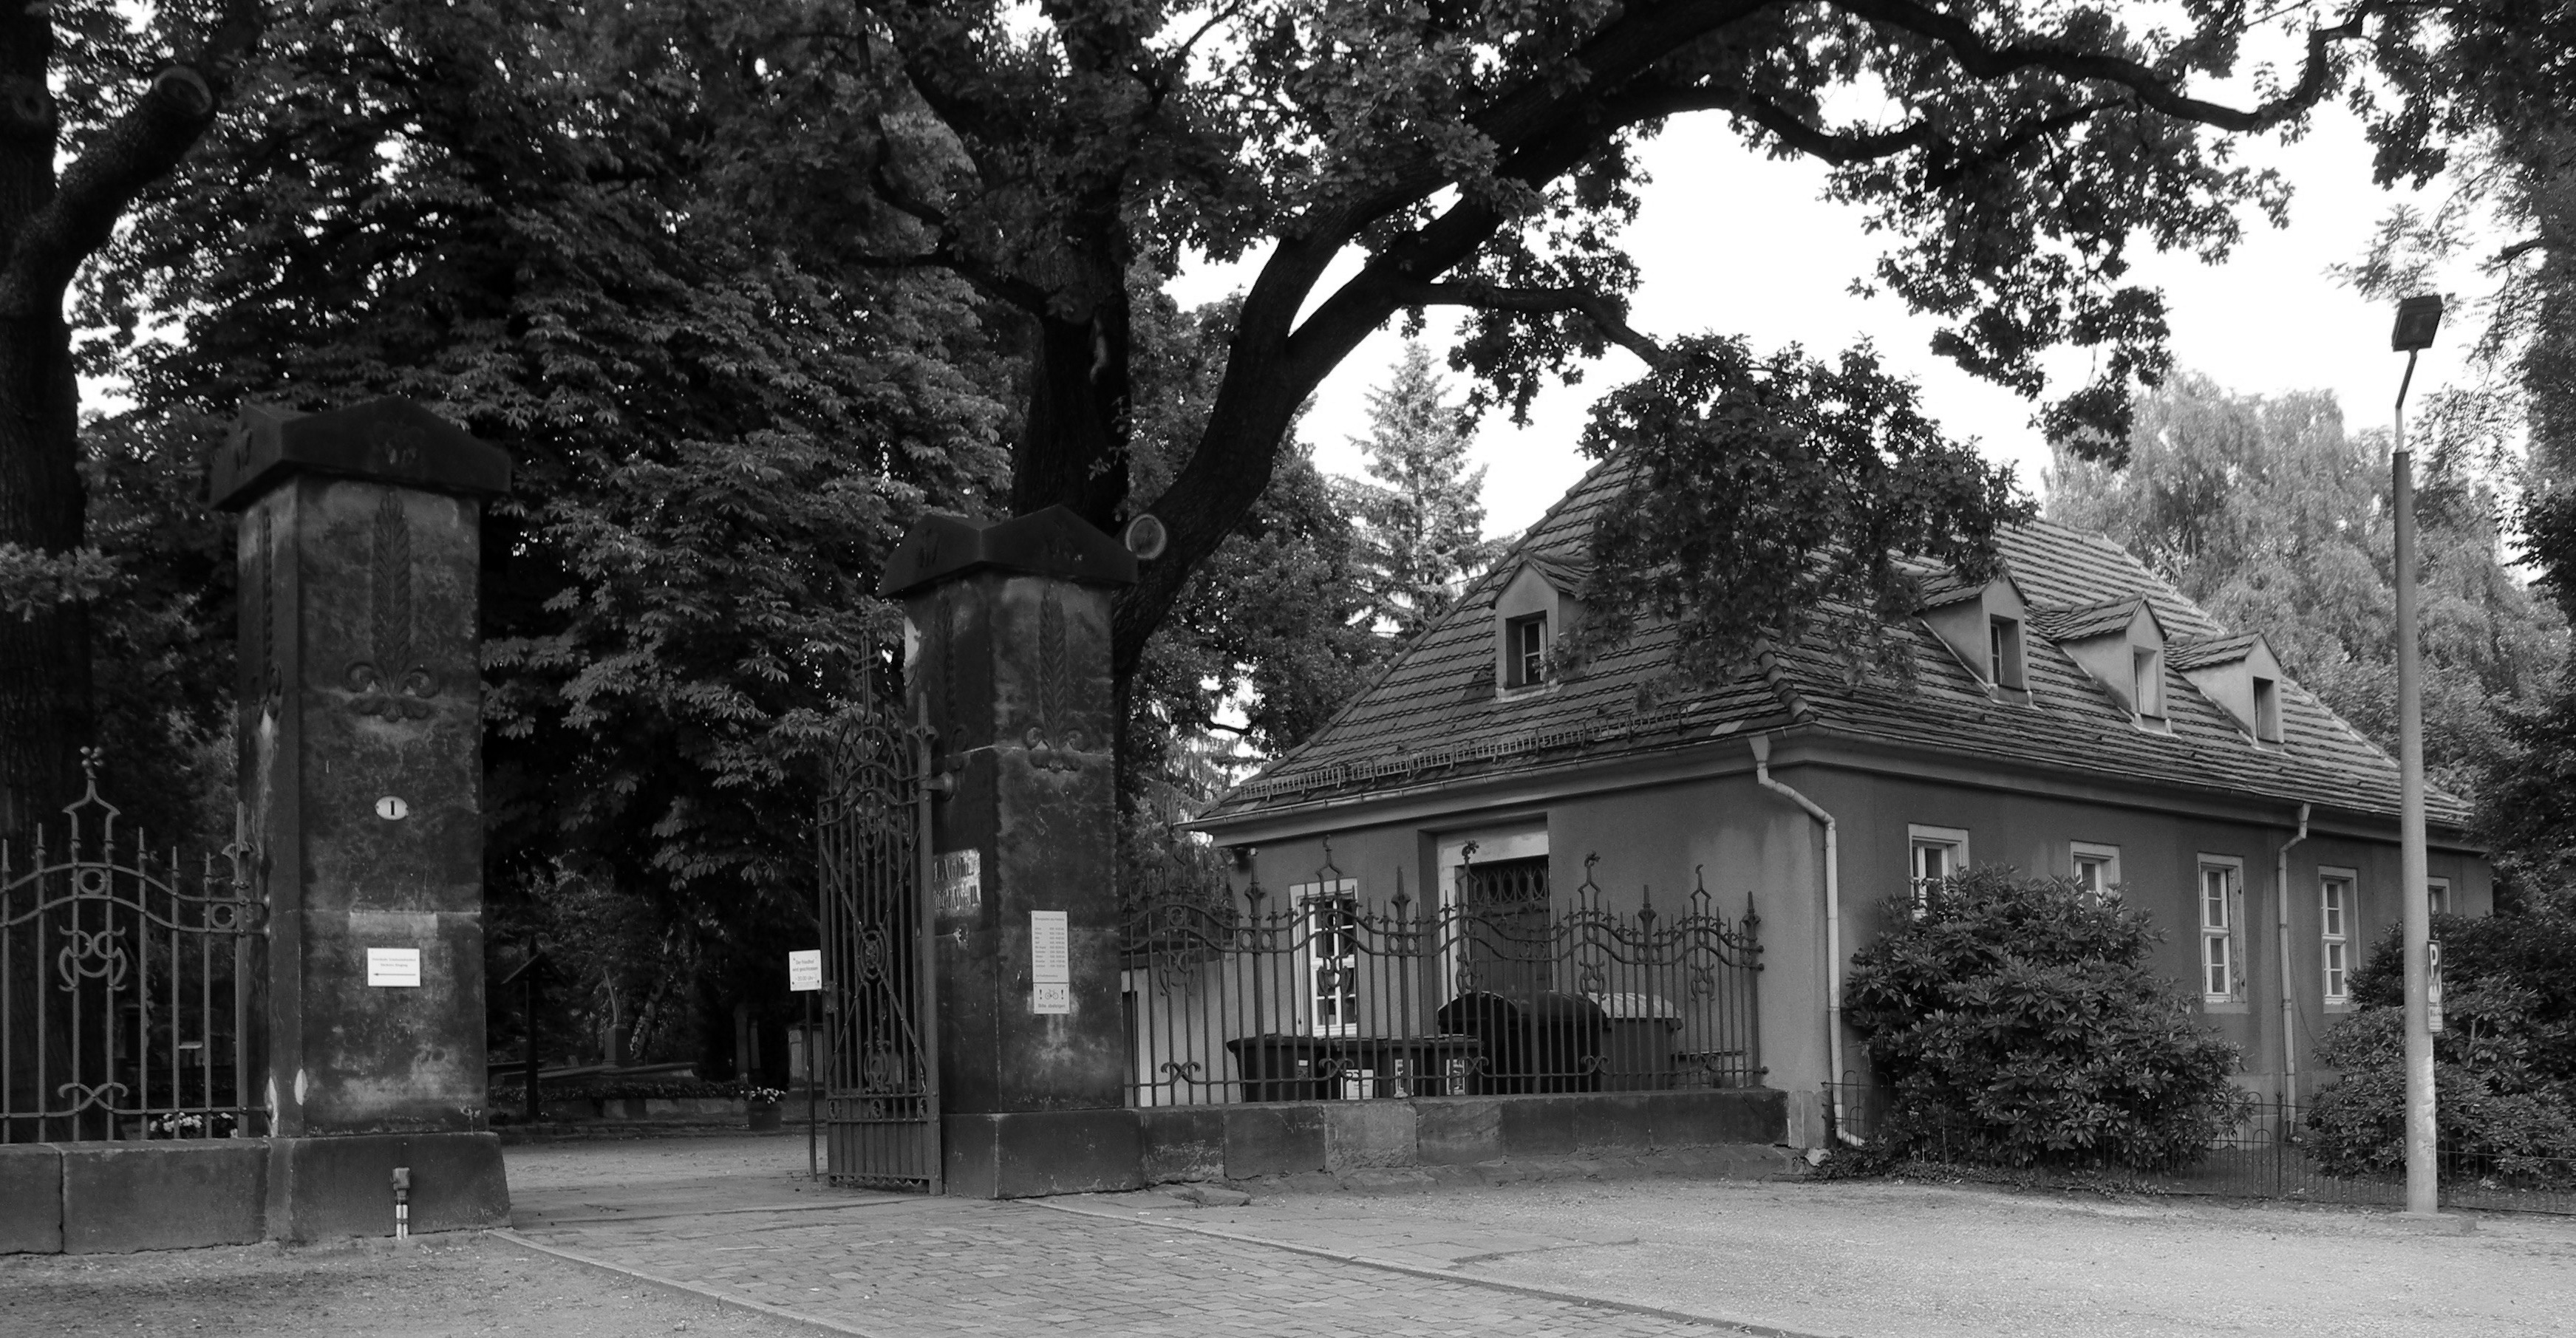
360,734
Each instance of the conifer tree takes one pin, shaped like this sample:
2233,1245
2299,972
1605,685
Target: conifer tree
1422,523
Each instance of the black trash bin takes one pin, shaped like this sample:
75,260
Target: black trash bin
1287,1068
1540,1043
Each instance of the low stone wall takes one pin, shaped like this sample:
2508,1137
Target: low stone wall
107,1198
1107,1150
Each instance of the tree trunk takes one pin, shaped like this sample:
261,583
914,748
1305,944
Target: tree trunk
45,709
1073,447
44,660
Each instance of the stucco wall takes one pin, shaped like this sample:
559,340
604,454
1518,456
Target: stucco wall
2160,856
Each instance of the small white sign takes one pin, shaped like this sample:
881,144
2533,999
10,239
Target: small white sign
805,970
1050,963
1050,944
396,967
392,809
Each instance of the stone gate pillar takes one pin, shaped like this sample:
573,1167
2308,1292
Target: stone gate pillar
360,772
1007,652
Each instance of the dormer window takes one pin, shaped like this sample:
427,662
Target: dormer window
1525,651
1982,626
2239,675
2148,679
2267,710
2004,658
1530,611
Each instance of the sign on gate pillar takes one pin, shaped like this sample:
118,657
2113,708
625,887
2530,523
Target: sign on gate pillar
360,773
1007,649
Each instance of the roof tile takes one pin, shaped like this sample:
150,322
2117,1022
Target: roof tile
1434,713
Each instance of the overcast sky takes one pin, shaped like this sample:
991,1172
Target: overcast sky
1735,243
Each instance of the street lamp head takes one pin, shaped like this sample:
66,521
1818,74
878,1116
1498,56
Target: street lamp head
2417,319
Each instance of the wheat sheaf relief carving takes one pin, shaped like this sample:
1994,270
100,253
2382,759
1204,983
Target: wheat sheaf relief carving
392,683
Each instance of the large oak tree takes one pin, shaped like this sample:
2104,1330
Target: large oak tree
1480,157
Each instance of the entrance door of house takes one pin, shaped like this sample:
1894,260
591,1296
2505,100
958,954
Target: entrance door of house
880,1058
1505,926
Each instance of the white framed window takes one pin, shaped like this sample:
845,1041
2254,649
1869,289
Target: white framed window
2437,895
1331,974
1525,646
1933,854
2004,656
2334,931
2222,880
2096,869
2147,679
2267,710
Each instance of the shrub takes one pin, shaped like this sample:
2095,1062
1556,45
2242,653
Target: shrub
2504,1066
2016,1023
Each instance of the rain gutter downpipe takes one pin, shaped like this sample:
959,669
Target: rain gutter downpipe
2289,1008
1833,932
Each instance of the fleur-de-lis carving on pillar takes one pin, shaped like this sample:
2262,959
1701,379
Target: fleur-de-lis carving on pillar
392,684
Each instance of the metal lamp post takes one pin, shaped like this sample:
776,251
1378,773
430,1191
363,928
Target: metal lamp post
2417,319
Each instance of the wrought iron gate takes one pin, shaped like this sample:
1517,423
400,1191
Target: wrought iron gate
880,1011
130,999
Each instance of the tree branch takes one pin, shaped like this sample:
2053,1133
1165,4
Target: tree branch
1018,292
1607,313
1982,59
2518,250
1814,141
135,150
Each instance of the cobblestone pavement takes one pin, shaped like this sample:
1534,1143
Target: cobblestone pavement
895,1266
936,1267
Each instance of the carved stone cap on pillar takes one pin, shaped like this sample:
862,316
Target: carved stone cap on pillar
1052,542
391,440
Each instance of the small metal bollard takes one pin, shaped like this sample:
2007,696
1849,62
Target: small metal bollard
402,1203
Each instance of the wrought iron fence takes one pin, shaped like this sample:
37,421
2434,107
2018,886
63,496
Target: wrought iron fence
2269,1155
130,999
1332,991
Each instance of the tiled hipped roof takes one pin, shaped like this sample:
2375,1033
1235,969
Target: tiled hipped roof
1433,715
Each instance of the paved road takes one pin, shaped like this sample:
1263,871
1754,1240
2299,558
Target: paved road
1635,1257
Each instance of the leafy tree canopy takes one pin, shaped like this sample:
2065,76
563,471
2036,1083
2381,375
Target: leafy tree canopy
531,215
1771,497
1271,635
2011,154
